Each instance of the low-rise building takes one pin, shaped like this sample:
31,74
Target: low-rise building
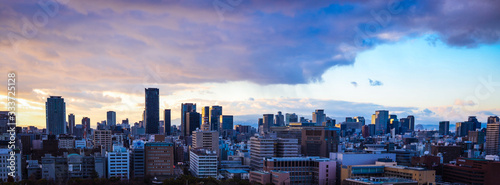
118,163
203,162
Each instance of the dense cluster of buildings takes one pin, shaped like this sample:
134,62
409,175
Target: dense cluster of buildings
283,149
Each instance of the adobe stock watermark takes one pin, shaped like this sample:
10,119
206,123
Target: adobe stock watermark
11,106
381,18
30,25
222,7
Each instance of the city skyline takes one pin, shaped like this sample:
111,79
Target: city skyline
256,58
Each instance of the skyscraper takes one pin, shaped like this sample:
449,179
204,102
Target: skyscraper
380,120
477,124
152,110
215,113
267,122
168,122
71,123
111,119
226,122
55,115
205,114
444,127
192,122
86,126
319,117
185,108
291,118
463,128
411,122
280,120
492,138
493,119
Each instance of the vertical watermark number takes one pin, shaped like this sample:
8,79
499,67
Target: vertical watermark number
11,106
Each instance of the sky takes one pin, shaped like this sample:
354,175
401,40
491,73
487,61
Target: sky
437,60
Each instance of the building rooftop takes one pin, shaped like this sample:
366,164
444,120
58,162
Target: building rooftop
237,171
382,180
309,158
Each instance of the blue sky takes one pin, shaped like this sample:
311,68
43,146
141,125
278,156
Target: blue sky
426,58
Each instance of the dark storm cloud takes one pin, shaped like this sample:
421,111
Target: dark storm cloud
267,42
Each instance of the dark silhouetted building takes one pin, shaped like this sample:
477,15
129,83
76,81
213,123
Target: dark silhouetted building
185,108
444,127
55,115
463,128
111,119
168,122
152,111
71,124
192,122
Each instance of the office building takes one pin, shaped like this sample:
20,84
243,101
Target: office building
152,110
102,138
5,163
448,153
267,122
71,124
319,141
280,120
138,159
267,146
206,139
381,169
192,122
475,122
66,142
291,118
472,171
55,115
159,159
380,119
168,122
86,126
214,116
492,138
477,137
463,128
54,168
318,117
272,177
444,127
203,163
80,166
411,122
185,108
111,119
304,170
118,163
493,119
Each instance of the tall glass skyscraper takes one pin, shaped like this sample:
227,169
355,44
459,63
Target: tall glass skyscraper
167,120
215,113
71,123
55,115
185,108
152,110
111,119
